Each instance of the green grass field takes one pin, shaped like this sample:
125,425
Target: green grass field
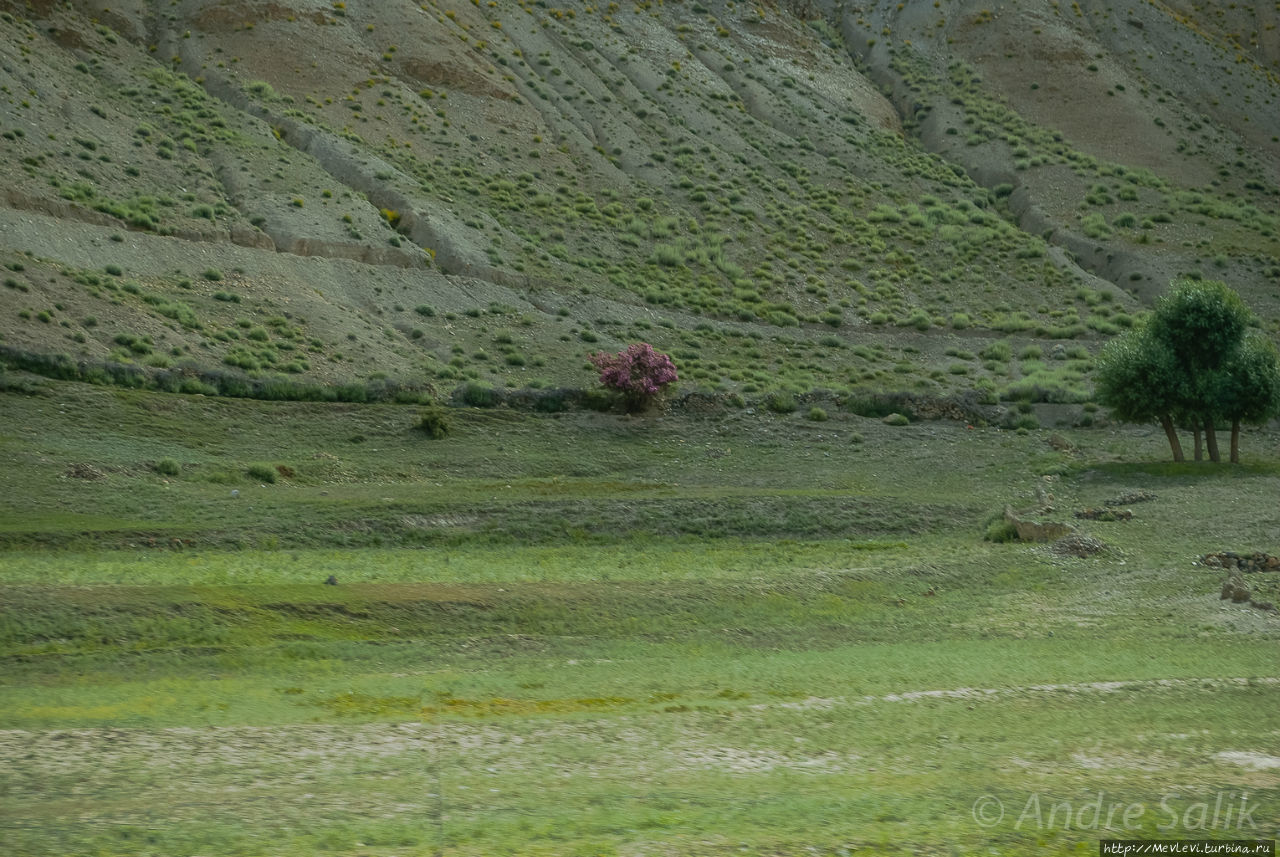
585,634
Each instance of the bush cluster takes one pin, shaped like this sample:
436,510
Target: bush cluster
208,382
640,374
436,422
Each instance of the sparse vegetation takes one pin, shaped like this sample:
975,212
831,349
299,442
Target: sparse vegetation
483,611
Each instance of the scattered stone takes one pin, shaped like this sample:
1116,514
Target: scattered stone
1257,561
84,471
1105,515
1234,589
331,580
1130,498
1061,444
700,403
1078,544
1044,498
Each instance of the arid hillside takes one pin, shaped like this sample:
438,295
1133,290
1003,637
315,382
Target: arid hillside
924,197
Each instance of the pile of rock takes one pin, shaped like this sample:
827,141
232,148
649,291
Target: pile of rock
1105,515
1243,562
1130,498
1235,590
83,471
1078,544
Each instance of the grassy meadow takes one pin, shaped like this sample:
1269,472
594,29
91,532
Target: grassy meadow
587,634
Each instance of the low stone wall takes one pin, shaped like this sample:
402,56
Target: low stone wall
1243,562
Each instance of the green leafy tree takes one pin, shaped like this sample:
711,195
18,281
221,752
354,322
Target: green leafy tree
1203,324
1193,363
1138,379
1248,387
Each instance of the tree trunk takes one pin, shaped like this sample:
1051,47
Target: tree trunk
1211,440
1196,431
1172,434
1235,441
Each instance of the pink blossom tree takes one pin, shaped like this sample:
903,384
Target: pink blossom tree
639,374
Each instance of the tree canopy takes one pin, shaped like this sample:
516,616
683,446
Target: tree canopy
1194,363
639,374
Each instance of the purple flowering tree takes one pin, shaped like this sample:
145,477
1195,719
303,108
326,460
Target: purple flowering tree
639,374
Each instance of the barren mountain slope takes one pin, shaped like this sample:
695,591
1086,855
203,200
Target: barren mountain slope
785,195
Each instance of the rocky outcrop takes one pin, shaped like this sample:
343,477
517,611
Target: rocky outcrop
1231,560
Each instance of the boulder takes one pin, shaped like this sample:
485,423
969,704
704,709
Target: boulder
1233,589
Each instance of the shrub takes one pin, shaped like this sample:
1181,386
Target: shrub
1025,421
818,415
1001,351
896,420
876,405
919,319
552,401
478,394
780,401
597,400
998,529
262,473
436,422
640,374
168,467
